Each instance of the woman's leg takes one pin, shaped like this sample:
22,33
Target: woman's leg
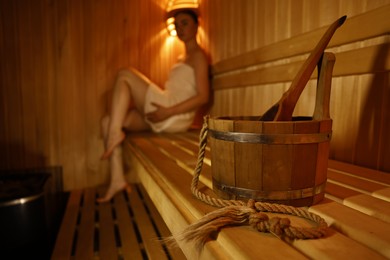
117,178
129,91
133,122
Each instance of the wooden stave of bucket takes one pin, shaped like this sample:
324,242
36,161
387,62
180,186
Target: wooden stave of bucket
281,162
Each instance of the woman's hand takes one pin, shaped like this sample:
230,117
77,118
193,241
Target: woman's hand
161,113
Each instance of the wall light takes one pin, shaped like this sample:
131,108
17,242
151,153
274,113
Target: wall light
171,26
173,7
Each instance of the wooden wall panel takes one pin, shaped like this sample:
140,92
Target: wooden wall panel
270,21
11,109
60,58
358,102
60,62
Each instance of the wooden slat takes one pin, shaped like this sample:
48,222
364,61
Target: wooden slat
153,247
183,144
63,245
335,246
382,194
355,29
190,142
192,135
247,243
107,243
371,206
129,243
361,27
177,176
365,60
358,184
184,160
369,231
274,74
339,192
175,151
359,171
174,251
373,59
85,238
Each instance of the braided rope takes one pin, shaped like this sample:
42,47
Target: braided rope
254,210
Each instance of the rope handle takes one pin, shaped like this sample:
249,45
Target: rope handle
251,212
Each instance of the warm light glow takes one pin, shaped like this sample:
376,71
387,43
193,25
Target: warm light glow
182,4
171,26
170,20
174,5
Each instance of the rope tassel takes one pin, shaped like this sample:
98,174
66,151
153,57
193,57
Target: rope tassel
201,231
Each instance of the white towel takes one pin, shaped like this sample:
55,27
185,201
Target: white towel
179,87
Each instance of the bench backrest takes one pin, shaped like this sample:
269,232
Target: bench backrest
250,83
358,28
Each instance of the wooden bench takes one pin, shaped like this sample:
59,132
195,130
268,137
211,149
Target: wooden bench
356,204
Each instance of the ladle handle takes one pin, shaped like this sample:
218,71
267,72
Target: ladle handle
290,98
324,84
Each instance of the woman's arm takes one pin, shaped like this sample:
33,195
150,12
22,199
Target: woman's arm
200,65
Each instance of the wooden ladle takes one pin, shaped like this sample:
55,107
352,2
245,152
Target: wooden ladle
283,109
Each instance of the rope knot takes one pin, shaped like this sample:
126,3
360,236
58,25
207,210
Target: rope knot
257,219
278,225
251,204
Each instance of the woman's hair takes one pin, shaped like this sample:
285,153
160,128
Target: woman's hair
190,12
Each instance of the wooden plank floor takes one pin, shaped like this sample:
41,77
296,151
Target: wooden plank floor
129,227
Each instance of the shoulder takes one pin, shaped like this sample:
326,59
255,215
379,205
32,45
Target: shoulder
200,55
199,59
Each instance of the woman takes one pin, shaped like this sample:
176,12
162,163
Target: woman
138,104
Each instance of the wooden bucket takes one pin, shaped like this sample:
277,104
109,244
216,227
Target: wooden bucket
273,161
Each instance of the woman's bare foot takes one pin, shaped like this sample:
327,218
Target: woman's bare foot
112,143
114,189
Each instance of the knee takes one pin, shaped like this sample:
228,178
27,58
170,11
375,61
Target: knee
130,74
126,73
124,77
